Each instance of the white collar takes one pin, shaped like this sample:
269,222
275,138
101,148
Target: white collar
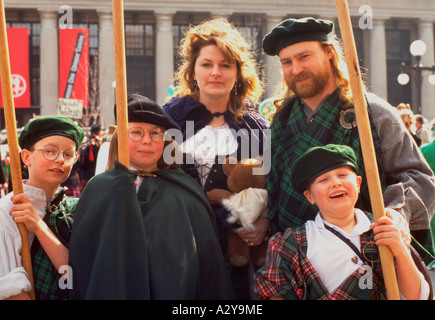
363,224
37,195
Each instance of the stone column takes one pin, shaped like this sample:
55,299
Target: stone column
378,59
274,79
49,63
164,55
426,34
106,67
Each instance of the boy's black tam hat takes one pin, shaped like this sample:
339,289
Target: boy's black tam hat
143,109
318,160
292,31
42,127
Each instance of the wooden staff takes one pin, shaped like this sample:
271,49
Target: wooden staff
11,130
121,82
368,150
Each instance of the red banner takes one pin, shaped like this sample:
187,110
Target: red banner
18,45
74,64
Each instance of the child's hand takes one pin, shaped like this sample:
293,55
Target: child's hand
400,221
389,234
23,211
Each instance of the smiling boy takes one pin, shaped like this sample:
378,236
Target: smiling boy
313,261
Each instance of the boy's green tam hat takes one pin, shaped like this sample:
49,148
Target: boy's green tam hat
42,127
318,160
293,31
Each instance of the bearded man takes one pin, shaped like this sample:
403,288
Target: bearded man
317,109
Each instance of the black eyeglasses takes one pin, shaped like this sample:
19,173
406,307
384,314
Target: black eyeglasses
52,153
136,134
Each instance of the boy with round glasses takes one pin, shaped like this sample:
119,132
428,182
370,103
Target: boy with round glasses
49,150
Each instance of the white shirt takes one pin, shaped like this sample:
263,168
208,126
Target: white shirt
13,277
332,258
208,143
102,158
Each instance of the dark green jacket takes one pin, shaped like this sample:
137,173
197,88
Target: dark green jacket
157,244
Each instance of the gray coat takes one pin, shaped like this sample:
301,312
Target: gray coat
413,192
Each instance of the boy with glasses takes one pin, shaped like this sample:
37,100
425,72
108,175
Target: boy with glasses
49,150
146,231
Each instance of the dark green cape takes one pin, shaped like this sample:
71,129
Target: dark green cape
163,246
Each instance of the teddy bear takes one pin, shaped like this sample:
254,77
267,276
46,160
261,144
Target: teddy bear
245,202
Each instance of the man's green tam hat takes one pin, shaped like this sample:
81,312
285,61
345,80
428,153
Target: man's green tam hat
292,31
42,127
319,160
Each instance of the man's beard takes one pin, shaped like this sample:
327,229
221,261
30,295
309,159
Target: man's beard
308,90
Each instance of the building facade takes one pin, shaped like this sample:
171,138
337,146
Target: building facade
383,32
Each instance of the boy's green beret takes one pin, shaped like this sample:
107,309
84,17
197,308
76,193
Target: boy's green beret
292,31
318,160
39,128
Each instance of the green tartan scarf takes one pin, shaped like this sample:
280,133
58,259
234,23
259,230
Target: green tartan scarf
291,136
59,218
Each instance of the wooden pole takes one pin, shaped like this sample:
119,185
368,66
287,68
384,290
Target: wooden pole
121,82
365,134
11,130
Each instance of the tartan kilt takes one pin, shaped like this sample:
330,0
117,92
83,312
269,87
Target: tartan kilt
46,277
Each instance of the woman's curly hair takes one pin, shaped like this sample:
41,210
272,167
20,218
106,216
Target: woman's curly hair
226,37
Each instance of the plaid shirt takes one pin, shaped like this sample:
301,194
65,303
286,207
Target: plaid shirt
291,137
289,274
46,278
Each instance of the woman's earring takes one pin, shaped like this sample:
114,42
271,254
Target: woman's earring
235,88
195,86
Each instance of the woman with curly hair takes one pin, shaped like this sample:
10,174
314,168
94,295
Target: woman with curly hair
216,88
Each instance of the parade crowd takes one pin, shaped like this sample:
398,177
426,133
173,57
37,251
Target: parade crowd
218,203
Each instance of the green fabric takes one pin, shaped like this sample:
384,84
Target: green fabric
426,237
46,126
159,244
46,277
428,151
291,137
318,160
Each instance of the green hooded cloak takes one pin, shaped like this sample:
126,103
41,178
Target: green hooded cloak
157,244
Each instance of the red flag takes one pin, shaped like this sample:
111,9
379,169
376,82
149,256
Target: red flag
74,64
18,44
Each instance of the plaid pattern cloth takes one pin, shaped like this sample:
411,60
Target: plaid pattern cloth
291,137
46,277
289,274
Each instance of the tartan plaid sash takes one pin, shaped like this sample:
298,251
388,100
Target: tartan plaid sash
291,137
358,286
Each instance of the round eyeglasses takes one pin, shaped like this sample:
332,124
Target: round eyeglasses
136,134
52,153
